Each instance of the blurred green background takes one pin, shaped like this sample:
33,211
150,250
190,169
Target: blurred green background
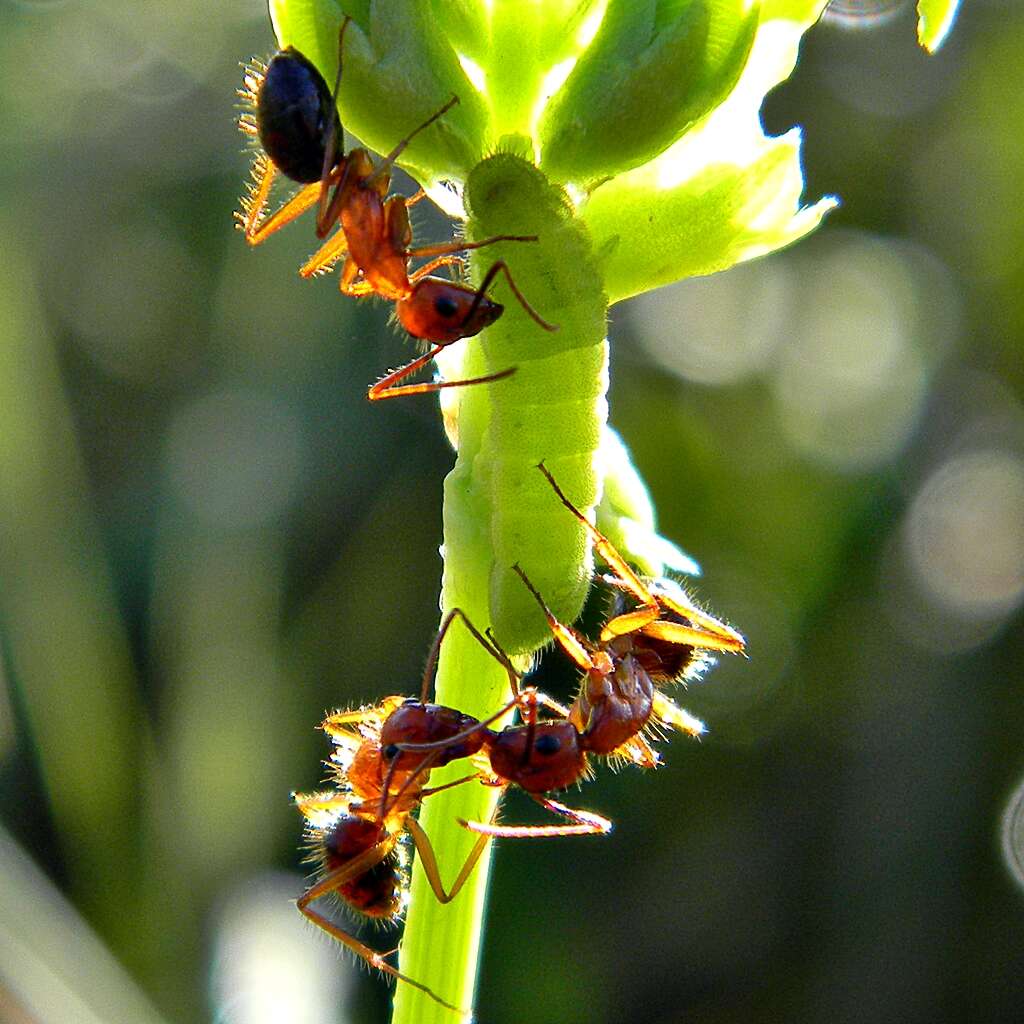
208,536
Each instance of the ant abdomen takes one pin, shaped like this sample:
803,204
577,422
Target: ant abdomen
666,661
611,710
294,111
376,892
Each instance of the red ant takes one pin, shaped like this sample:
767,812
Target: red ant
663,639
297,123
355,829
539,757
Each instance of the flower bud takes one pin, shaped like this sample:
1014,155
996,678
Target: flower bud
654,69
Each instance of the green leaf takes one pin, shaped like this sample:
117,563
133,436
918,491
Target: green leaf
654,69
934,20
724,193
625,515
311,26
524,41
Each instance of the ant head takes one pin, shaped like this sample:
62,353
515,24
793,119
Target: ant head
294,115
540,759
415,722
442,311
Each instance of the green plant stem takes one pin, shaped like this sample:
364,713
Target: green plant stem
504,430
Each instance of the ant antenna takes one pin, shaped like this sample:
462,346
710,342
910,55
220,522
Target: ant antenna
502,266
329,145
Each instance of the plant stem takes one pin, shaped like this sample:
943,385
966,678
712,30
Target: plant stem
504,430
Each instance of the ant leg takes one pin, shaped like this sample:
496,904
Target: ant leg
349,282
583,823
461,245
251,222
515,675
410,780
385,387
428,268
638,751
571,642
679,602
679,633
552,705
633,620
475,777
332,883
491,646
313,806
339,723
428,861
669,713
416,197
326,256
502,266
327,211
384,168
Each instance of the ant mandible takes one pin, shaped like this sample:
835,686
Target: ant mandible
298,126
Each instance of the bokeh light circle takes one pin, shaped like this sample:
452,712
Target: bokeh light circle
863,14
1012,835
719,329
964,534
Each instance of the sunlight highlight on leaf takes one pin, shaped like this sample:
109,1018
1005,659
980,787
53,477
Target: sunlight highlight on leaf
935,19
724,193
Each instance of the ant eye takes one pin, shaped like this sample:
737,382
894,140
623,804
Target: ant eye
547,744
390,752
445,306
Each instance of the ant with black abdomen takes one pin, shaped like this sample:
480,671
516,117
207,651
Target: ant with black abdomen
297,123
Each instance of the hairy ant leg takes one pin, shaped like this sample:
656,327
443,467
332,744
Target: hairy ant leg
671,714
340,723
332,884
428,861
583,823
323,260
713,634
704,631
256,228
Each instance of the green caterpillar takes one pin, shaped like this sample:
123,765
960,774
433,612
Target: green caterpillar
553,408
